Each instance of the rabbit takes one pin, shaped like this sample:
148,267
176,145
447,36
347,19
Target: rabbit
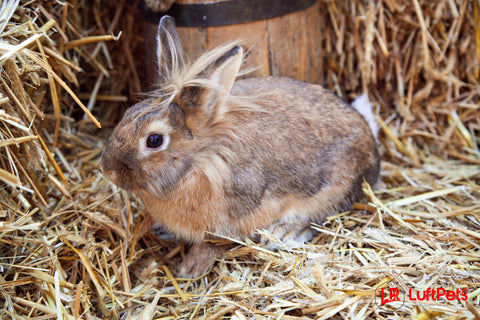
210,156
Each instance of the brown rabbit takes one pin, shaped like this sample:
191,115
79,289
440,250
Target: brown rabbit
209,155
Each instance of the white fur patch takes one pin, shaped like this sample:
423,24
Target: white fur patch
363,105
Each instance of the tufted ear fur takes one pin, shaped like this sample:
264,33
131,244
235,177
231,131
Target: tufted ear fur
205,101
170,56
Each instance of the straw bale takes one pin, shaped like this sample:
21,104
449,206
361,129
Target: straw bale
73,246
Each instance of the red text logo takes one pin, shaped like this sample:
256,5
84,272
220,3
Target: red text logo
436,294
391,296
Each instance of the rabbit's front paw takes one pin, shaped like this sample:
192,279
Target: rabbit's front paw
199,259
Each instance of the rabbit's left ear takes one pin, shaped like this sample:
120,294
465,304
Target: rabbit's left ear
223,75
206,102
170,56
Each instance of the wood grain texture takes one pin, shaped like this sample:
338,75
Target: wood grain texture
288,45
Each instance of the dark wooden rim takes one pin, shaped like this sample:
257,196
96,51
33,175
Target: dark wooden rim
212,14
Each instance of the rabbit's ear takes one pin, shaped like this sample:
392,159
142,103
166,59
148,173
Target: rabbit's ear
208,102
223,75
169,49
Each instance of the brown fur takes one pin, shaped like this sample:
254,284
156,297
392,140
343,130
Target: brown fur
242,156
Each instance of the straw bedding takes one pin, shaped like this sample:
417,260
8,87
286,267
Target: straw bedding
72,246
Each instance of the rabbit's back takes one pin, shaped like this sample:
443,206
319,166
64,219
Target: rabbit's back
301,130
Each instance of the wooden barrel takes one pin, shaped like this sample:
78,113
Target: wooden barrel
282,39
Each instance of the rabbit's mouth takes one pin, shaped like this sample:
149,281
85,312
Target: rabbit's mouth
119,170
121,179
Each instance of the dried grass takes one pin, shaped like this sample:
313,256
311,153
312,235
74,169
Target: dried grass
74,247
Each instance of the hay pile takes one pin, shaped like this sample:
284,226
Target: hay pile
74,247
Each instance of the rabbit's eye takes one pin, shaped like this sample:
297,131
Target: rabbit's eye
154,141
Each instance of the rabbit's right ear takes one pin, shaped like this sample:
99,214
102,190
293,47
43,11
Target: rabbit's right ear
170,56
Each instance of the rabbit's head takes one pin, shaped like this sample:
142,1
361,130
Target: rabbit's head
157,141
